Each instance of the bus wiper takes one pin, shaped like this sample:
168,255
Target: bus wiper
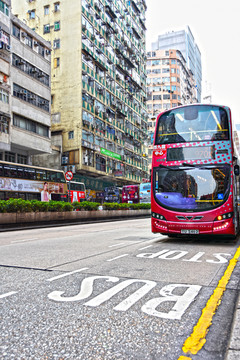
208,167
170,168
188,165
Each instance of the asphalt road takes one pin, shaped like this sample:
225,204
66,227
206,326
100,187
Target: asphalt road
112,291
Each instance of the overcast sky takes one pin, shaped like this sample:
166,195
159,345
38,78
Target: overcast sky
215,25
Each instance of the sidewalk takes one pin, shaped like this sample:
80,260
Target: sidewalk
234,345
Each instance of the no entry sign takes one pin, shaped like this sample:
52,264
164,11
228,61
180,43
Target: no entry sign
68,175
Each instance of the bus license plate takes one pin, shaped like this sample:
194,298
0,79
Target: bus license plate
187,231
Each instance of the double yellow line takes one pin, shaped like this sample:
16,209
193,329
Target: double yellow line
197,339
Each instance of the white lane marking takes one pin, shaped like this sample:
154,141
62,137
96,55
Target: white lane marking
116,245
134,241
7,294
145,247
23,240
117,257
125,243
66,274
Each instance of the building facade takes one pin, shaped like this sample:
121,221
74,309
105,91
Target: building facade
170,83
183,41
25,71
5,88
98,84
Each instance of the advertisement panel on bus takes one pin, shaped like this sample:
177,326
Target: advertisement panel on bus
112,194
195,172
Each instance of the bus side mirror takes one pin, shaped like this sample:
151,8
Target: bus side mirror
236,170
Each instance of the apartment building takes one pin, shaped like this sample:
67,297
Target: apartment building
170,83
98,84
25,71
183,40
5,90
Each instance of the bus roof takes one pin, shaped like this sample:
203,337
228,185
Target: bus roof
29,166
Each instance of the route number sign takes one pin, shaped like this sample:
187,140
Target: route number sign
68,175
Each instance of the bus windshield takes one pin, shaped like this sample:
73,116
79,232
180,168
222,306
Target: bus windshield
197,188
192,123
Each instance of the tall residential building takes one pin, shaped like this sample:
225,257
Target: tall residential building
98,84
183,41
5,89
170,83
25,92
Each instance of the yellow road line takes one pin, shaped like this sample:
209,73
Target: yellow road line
197,339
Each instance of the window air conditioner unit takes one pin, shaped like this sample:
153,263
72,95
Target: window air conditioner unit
72,168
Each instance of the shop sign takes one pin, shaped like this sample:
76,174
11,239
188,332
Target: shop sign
118,173
110,153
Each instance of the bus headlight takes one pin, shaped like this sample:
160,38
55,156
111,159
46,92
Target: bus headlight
158,216
224,216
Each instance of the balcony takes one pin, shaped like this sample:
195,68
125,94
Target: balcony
87,106
88,88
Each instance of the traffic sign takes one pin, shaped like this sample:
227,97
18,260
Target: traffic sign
68,175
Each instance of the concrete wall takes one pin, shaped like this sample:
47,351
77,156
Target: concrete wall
23,218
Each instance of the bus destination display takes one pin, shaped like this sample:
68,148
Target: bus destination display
191,153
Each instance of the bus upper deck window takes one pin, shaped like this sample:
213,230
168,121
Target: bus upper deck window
10,171
20,172
60,177
40,174
29,174
52,176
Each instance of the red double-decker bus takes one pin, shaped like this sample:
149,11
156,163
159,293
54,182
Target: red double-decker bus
130,194
195,172
77,191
